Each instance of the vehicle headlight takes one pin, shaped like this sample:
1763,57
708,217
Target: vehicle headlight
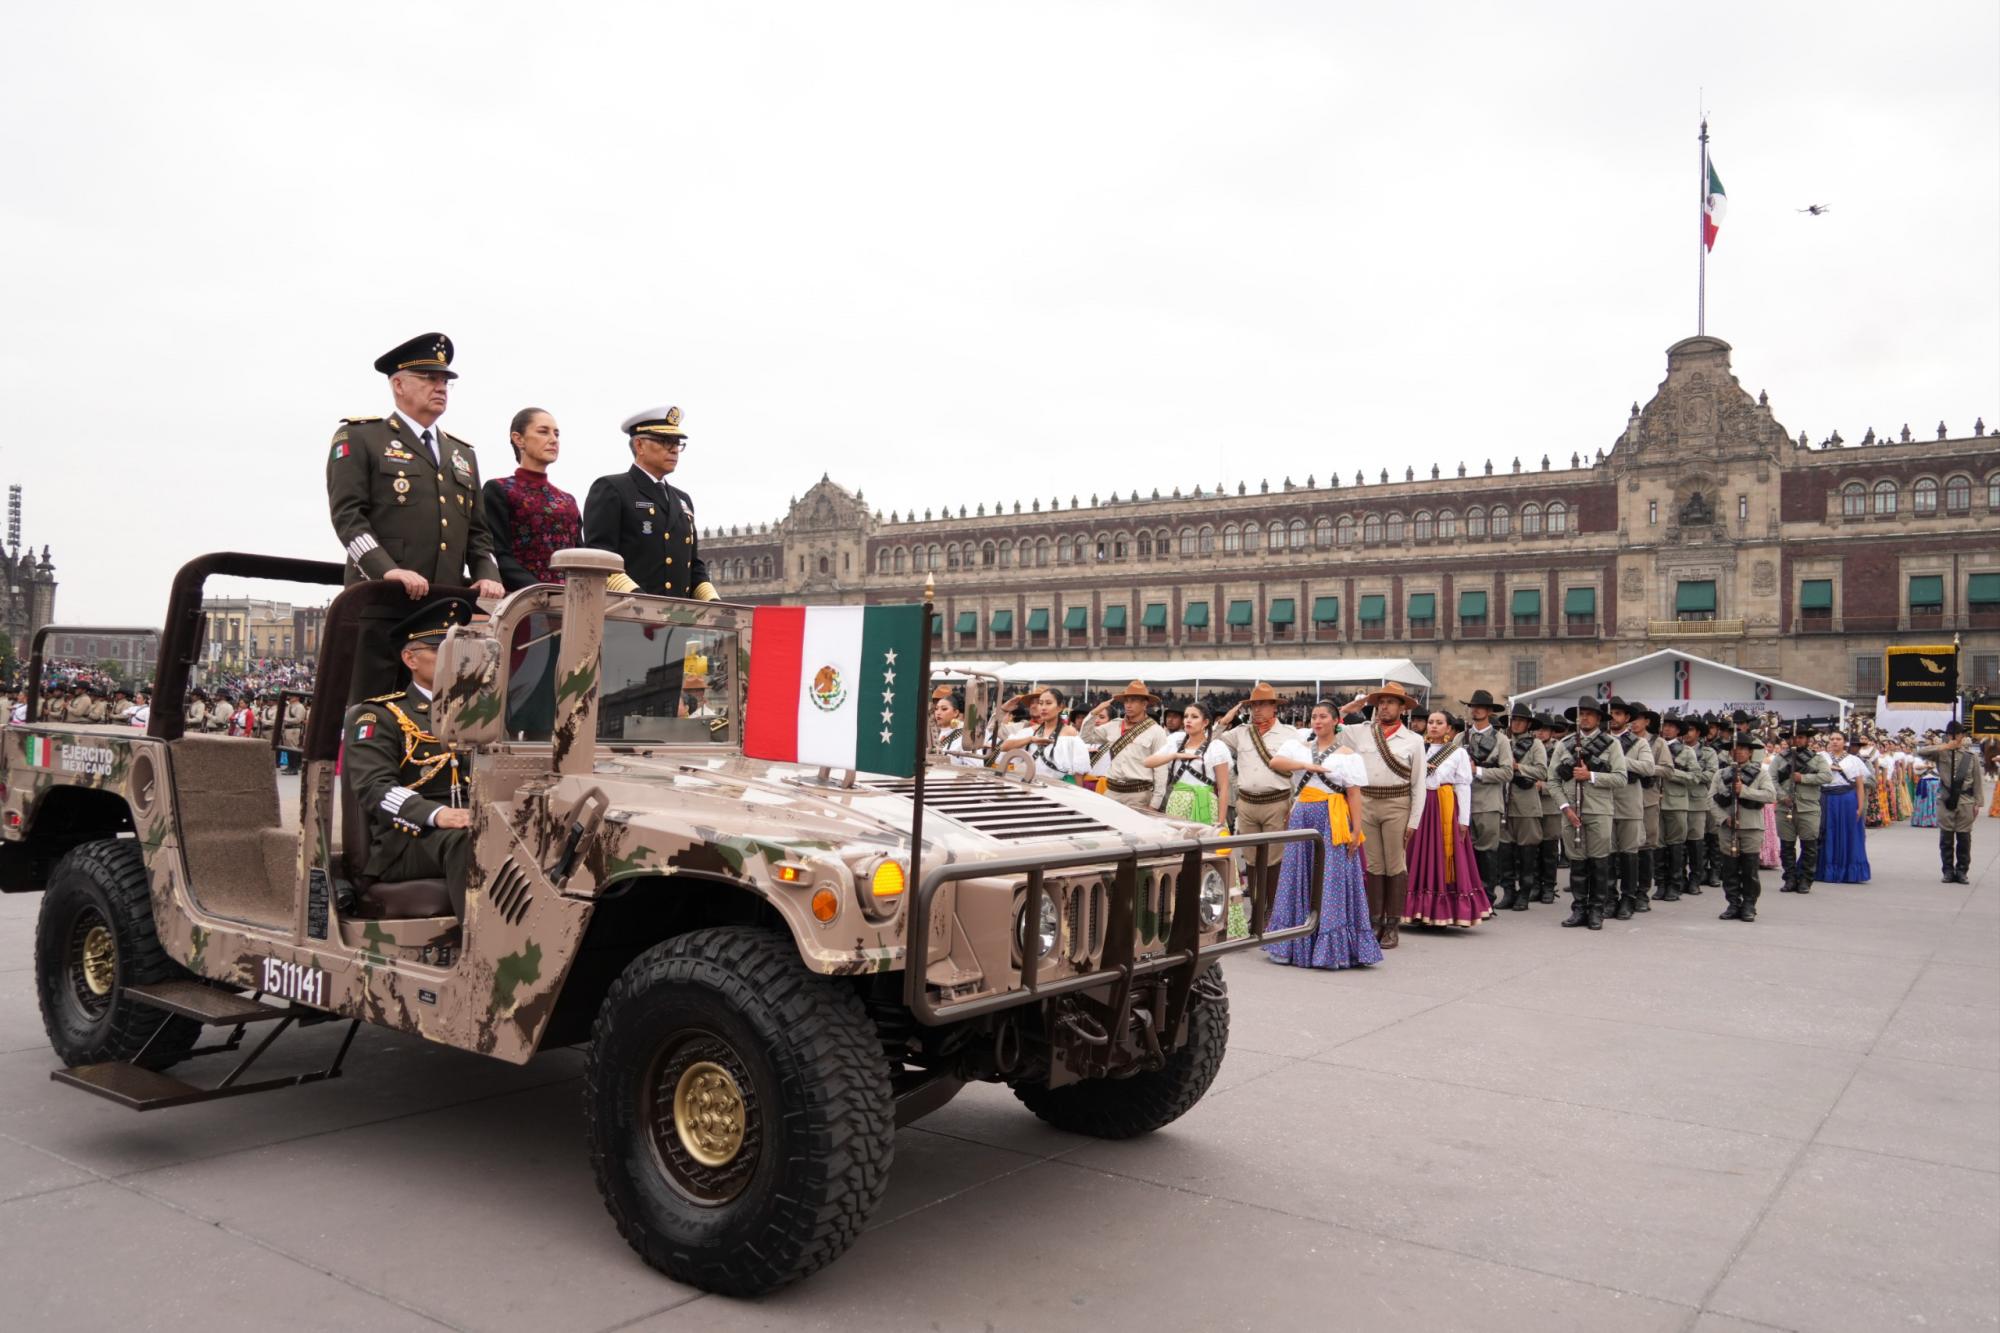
880,885
1214,896
1051,919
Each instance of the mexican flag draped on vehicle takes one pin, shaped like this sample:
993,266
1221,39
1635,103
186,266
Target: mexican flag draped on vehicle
836,685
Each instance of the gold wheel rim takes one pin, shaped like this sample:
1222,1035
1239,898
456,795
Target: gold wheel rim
709,1116
100,959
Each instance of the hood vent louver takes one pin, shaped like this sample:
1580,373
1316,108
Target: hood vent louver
509,893
997,808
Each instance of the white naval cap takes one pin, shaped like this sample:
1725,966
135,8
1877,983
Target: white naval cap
655,421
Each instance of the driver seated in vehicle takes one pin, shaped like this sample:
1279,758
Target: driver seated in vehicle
411,788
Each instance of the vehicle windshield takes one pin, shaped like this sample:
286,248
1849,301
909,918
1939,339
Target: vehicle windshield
661,685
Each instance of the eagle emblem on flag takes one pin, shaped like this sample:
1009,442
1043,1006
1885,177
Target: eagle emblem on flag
828,692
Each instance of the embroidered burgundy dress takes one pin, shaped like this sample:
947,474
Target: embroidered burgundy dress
530,519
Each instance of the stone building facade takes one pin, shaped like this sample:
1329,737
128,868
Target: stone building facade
1705,526
27,594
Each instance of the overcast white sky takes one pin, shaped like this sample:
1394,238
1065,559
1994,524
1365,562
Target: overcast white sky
952,254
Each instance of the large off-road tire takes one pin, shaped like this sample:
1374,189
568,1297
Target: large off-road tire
740,1119
1124,1108
93,939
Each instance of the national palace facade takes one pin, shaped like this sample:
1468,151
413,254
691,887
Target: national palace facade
1704,526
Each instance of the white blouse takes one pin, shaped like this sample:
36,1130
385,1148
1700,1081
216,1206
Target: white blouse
1058,757
1215,756
1457,771
1343,766
1855,771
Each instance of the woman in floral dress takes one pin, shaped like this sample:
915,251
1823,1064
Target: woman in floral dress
531,518
1328,786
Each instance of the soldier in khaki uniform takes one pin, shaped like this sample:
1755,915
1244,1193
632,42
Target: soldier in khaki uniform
295,724
1646,723
1133,739
1521,834
1683,786
216,720
1263,794
1959,796
1743,788
1629,821
404,498
1590,765
1548,730
1492,766
1395,759
1798,773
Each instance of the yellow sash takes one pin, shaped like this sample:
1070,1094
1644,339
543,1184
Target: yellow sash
1340,829
1448,816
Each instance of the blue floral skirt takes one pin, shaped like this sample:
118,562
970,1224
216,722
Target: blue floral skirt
1344,938
1843,843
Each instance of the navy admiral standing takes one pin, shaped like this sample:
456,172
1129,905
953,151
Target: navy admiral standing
644,518
404,497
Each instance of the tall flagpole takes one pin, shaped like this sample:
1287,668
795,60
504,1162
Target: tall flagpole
1701,239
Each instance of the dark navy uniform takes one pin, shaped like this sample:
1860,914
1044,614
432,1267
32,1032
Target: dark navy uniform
649,524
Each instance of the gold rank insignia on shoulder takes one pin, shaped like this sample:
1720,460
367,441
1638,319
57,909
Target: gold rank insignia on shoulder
385,698
358,421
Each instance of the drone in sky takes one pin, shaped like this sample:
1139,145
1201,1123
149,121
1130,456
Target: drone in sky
1815,209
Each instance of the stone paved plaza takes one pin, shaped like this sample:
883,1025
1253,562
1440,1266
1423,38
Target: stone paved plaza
1677,1124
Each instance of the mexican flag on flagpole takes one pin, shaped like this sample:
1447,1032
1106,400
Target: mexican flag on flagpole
836,685
1712,208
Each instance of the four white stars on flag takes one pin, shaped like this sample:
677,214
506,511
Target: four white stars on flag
888,694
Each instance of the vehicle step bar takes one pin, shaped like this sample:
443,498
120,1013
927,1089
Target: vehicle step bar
137,1088
205,1004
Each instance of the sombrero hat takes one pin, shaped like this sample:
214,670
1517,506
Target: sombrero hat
1262,693
1136,690
1392,690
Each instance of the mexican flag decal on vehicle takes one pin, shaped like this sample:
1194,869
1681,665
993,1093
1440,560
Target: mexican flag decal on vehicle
836,685
41,752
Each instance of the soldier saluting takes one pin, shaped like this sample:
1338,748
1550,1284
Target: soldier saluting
404,498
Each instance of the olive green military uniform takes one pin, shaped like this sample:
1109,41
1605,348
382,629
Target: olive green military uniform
1629,822
1959,801
395,506
1553,823
1521,830
401,776
1492,765
1797,776
1741,793
1594,801
1683,785
1704,852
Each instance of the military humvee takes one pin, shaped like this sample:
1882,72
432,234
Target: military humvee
768,980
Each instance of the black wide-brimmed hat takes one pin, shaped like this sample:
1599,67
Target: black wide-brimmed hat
1591,702
1745,740
427,353
1482,699
1521,711
1551,721
1618,705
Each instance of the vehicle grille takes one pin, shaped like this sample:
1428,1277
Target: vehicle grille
997,809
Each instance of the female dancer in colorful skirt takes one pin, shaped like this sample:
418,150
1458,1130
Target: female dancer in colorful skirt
1924,813
1445,889
1843,840
1197,771
1328,785
1767,851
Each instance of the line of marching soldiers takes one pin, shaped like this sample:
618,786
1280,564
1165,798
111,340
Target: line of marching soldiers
1640,817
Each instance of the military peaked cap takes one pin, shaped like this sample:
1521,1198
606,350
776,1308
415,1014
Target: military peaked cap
431,620
655,421
429,353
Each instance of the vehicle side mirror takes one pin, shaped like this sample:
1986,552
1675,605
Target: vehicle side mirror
469,705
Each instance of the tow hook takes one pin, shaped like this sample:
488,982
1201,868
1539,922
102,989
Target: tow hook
1083,1029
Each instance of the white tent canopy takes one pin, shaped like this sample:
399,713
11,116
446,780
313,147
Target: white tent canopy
1191,673
1673,681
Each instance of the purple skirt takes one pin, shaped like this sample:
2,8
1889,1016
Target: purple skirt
1344,938
1767,854
1444,890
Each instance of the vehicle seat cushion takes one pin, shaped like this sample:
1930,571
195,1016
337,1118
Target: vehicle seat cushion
398,900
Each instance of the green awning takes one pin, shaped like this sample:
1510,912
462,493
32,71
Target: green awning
1699,596
1983,590
1580,601
1281,611
1003,622
968,622
1527,601
1195,616
1242,613
1374,609
1038,620
1926,590
1155,617
1078,618
1114,617
1472,606
1326,610
1817,594
937,623
1423,606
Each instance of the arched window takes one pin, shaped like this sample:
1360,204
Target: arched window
988,553
1253,538
1277,536
1297,534
1041,551
1498,522
1958,495
1206,539
1885,498
951,556
1558,518
918,560
1392,531
823,568
1322,533
1924,496
1163,544
1232,540
1121,545
1343,531
1145,545
1062,550
1101,547
1447,525
1993,491
902,559
1475,522
1853,500
1006,555
937,558
1187,541
882,561
1531,520
1371,529
1422,525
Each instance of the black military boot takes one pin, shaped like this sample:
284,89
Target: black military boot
1619,870
1659,871
1551,858
1711,874
1602,889
1520,877
1672,873
1692,852
1964,841
1948,854
1726,871
1735,908
1788,861
1642,886
1501,886
1808,865
1747,888
1579,893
